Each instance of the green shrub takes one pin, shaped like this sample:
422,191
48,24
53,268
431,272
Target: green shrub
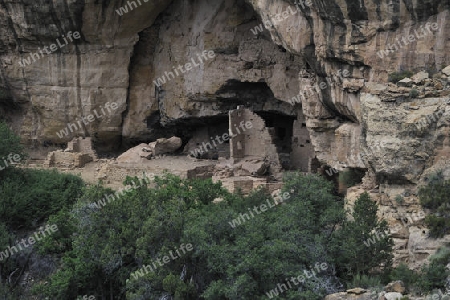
436,197
360,247
403,273
9,144
413,93
397,76
28,197
399,199
366,281
434,275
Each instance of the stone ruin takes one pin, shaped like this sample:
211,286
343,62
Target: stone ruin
258,155
78,153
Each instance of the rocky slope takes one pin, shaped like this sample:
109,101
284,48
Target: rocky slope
327,50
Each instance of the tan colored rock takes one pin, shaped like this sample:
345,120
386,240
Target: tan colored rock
351,296
446,70
396,286
438,85
356,291
133,155
145,154
163,145
254,167
405,82
419,78
392,296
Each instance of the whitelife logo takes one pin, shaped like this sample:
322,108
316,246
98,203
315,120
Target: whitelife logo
277,200
31,240
13,159
124,9
187,67
35,56
86,120
166,259
406,40
226,136
278,18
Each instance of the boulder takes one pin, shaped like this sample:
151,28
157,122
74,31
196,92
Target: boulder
396,286
163,145
356,291
405,82
352,296
145,154
255,167
446,71
133,155
419,78
392,296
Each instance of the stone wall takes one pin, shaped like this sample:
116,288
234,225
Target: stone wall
302,149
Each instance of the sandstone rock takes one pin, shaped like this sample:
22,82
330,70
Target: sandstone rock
446,70
438,85
255,167
133,155
396,286
145,154
348,296
419,78
163,146
405,82
392,296
356,291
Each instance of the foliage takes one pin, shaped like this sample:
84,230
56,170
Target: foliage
10,144
229,260
413,93
407,276
434,275
244,262
397,76
351,177
366,281
27,197
399,199
436,197
60,241
361,246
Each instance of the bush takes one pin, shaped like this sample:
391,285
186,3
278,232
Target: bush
351,177
9,144
434,275
399,199
413,93
366,281
403,273
397,76
361,246
436,197
28,197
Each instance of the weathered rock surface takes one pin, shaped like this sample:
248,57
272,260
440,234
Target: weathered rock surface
163,145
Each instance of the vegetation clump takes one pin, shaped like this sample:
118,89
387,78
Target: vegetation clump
397,76
436,197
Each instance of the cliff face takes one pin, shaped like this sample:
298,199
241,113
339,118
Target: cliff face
328,51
